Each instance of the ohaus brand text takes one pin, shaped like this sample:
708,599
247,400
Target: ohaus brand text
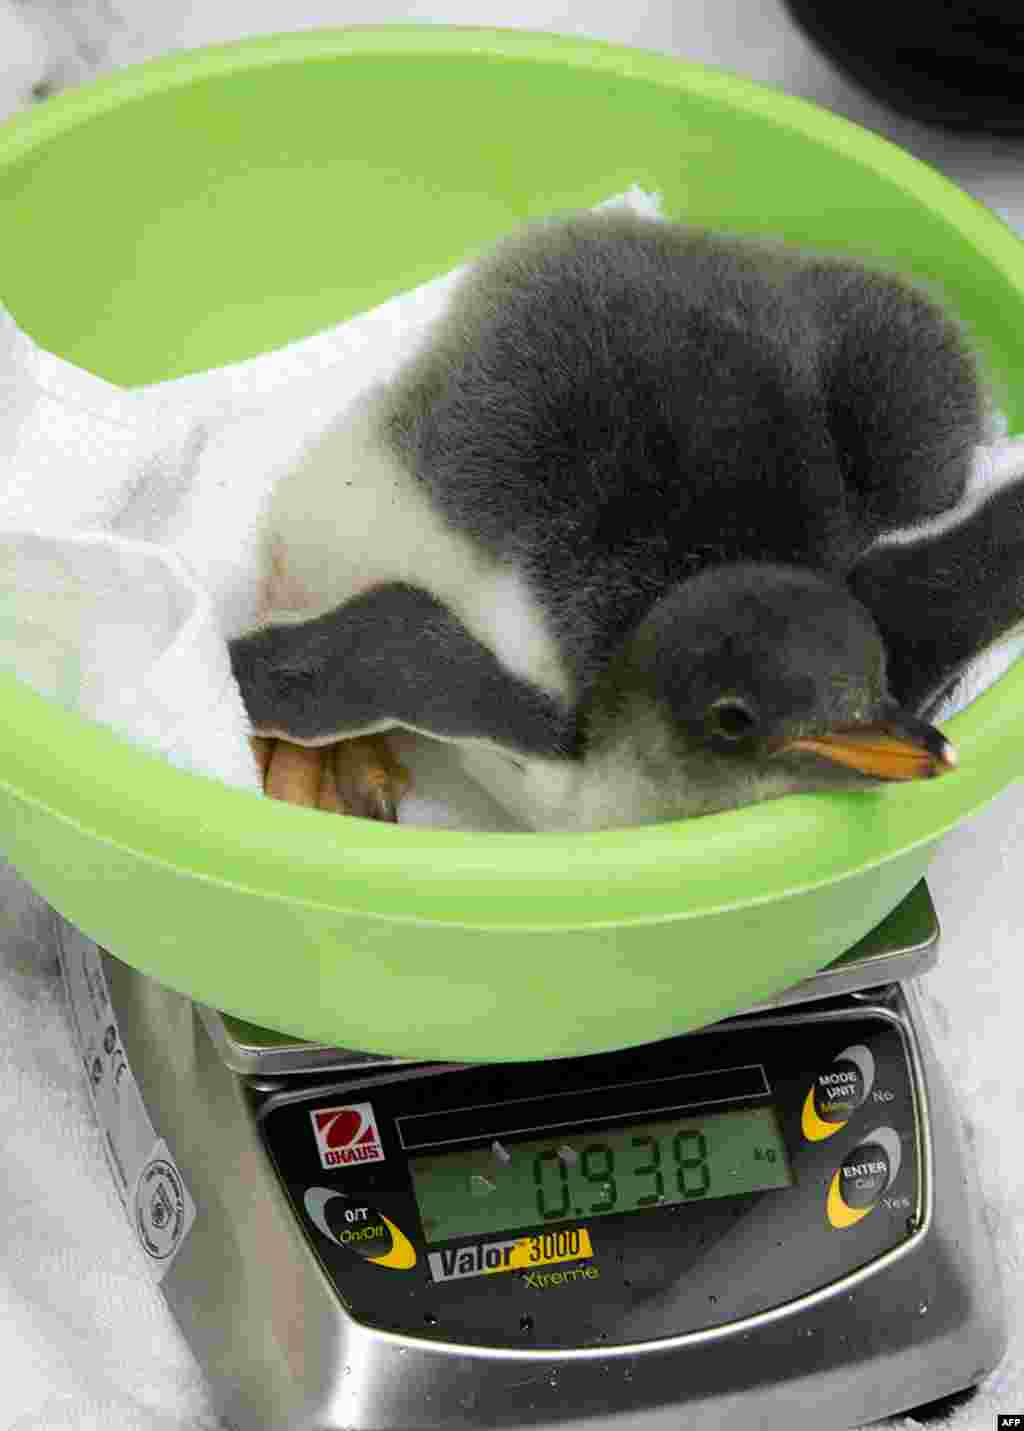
346,1134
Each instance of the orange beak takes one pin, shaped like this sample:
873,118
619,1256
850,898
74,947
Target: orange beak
901,748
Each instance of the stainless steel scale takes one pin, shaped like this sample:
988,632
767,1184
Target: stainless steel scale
772,1222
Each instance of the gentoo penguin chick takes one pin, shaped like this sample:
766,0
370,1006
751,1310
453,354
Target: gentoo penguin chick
598,530
744,682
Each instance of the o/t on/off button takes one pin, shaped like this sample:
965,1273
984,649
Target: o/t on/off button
348,1223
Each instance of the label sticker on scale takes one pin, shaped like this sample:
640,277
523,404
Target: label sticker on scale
146,1176
347,1134
520,1254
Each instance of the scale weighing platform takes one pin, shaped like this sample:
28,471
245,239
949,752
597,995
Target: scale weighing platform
771,1222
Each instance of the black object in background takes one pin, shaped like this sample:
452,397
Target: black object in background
958,64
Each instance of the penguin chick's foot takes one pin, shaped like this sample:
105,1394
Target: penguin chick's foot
368,779
360,776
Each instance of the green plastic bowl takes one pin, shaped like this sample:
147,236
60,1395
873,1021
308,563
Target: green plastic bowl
195,211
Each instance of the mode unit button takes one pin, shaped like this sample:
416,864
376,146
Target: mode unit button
837,1092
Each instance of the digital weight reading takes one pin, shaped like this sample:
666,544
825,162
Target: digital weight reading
593,1173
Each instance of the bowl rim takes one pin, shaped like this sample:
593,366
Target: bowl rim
81,773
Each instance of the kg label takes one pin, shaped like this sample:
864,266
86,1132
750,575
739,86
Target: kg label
347,1134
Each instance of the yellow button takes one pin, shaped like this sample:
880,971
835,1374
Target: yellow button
836,1210
402,1255
814,1126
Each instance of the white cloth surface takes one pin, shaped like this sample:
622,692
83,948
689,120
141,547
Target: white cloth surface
132,634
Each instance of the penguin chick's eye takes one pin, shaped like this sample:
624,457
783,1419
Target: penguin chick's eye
731,718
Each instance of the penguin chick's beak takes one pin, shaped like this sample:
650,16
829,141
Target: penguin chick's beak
899,748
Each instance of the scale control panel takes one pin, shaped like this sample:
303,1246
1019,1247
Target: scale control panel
614,1198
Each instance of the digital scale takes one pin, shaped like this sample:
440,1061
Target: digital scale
771,1222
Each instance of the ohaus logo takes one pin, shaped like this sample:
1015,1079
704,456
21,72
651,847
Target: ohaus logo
347,1135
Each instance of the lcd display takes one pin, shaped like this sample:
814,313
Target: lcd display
582,1174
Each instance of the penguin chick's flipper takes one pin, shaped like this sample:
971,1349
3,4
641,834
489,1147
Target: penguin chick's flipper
941,597
903,390
391,656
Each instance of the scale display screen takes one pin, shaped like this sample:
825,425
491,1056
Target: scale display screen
508,1185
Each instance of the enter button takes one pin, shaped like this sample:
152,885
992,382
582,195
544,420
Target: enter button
860,1180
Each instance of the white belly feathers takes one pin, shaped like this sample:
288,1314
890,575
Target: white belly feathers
349,517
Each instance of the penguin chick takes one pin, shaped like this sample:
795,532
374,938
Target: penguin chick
495,547
743,683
